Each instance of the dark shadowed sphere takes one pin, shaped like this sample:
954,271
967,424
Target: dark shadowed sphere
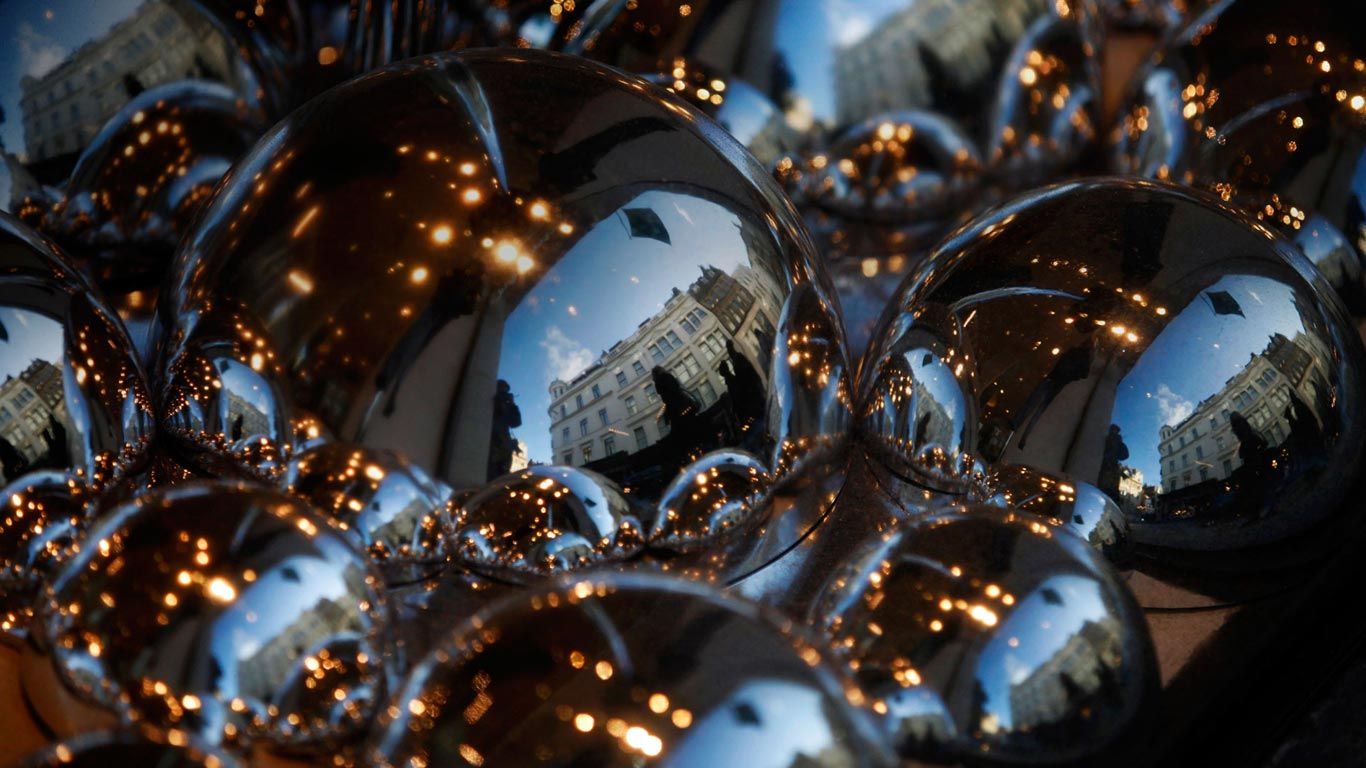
131,747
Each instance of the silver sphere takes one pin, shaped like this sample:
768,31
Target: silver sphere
1079,507
395,513
986,636
232,612
1264,104
471,335
1137,337
623,671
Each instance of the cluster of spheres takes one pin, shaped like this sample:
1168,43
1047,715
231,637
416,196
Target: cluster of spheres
592,382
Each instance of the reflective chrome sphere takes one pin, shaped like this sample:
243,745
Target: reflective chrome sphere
141,181
626,671
133,747
1019,77
986,636
233,612
1264,104
69,67
1079,507
471,335
42,517
543,519
1134,336
73,400
393,510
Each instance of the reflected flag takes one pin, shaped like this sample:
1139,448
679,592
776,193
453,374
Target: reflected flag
644,222
1224,304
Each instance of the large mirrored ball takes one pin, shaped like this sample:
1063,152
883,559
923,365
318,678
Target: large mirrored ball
131,747
1137,337
625,671
74,399
69,67
393,510
983,636
1264,104
233,612
1018,77
482,208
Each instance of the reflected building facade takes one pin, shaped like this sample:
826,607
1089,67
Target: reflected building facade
1083,666
161,42
30,403
1205,447
614,406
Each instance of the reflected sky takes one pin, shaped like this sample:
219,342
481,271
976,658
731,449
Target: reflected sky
846,23
35,37
1153,395
1042,624
787,730
31,336
609,283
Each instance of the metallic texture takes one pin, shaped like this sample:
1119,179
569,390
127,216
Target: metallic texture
624,671
130,747
75,414
232,612
745,113
1080,507
393,511
1134,336
983,636
484,206
1018,78
1264,104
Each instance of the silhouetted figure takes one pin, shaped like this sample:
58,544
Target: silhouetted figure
58,453
13,462
1072,365
132,85
745,387
1115,451
683,415
1305,433
1254,476
237,427
502,445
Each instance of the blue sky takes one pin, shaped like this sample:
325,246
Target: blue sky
1194,356
36,36
600,291
31,336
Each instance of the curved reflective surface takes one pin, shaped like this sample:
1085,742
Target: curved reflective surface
69,66
134,747
41,522
986,635
1264,104
483,207
73,398
745,113
393,510
1136,337
228,611
624,671
1081,508
1017,76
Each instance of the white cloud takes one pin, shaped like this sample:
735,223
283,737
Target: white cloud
1174,407
565,357
38,53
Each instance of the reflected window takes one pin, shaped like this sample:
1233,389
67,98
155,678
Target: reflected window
621,378
641,439
609,445
587,452
688,326
1219,441
583,427
638,367
1204,474
689,368
1228,466
650,393
602,416
674,340
569,458
597,392
564,433
631,406
1213,424
1172,465
1199,452
578,400
707,393
656,352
